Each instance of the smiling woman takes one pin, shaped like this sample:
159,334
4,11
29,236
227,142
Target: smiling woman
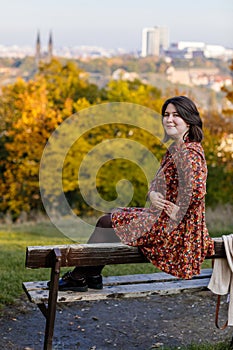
174,126
180,118
171,232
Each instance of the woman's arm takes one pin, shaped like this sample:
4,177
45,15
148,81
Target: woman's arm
159,202
192,175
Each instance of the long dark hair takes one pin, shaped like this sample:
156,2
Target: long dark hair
188,111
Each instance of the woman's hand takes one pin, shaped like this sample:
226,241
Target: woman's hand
171,210
158,201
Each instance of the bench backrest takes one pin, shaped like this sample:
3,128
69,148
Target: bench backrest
94,254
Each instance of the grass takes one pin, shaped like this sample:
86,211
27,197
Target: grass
219,346
13,243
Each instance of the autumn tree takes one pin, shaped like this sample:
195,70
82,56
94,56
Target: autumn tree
134,92
29,113
218,144
24,139
228,106
67,81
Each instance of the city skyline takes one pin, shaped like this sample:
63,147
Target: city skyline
114,25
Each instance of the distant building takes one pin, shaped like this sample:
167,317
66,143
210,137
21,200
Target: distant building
207,77
150,42
195,45
38,49
122,74
214,51
164,38
193,49
50,47
41,55
154,41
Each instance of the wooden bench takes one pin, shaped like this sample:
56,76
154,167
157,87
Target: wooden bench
55,257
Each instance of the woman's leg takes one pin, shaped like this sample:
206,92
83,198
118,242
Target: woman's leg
84,277
103,233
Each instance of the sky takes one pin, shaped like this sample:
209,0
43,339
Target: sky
114,24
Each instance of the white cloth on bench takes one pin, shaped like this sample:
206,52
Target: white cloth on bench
221,281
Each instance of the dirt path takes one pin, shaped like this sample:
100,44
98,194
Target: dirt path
122,324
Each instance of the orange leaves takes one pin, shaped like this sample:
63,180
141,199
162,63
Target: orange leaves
25,139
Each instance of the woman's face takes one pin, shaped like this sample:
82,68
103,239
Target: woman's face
173,124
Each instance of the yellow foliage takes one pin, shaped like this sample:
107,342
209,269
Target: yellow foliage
25,141
82,103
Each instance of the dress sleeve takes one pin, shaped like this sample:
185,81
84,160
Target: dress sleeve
155,183
192,175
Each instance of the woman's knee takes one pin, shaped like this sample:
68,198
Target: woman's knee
105,221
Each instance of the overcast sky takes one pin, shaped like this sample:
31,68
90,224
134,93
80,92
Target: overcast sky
114,23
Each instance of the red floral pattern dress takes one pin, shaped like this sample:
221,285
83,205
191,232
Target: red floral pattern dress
179,246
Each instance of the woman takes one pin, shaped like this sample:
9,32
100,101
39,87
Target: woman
172,232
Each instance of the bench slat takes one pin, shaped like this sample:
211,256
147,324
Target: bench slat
122,286
84,254
94,254
39,296
149,278
128,279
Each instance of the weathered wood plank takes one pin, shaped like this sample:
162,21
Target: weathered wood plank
39,291
39,295
127,279
84,254
94,254
149,278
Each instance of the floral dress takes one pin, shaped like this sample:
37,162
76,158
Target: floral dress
179,246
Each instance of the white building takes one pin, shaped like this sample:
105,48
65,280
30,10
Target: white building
121,74
164,38
214,51
154,40
195,45
189,48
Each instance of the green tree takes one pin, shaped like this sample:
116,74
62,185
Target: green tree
134,92
219,158
30,112
228,107
24,139
67,81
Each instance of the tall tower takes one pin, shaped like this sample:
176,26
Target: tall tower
50,47
38,49
154,40
164,38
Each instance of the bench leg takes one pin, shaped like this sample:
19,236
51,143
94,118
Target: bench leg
52,301
231,344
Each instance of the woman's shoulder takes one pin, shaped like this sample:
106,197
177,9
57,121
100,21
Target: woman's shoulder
195,148
186,149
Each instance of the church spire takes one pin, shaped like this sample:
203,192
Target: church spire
38,48
50,47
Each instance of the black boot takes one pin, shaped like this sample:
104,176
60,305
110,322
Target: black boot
81,278
92,274
68,282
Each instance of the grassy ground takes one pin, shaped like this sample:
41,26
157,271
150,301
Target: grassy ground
220,346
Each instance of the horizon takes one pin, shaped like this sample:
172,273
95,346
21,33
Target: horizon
57,46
